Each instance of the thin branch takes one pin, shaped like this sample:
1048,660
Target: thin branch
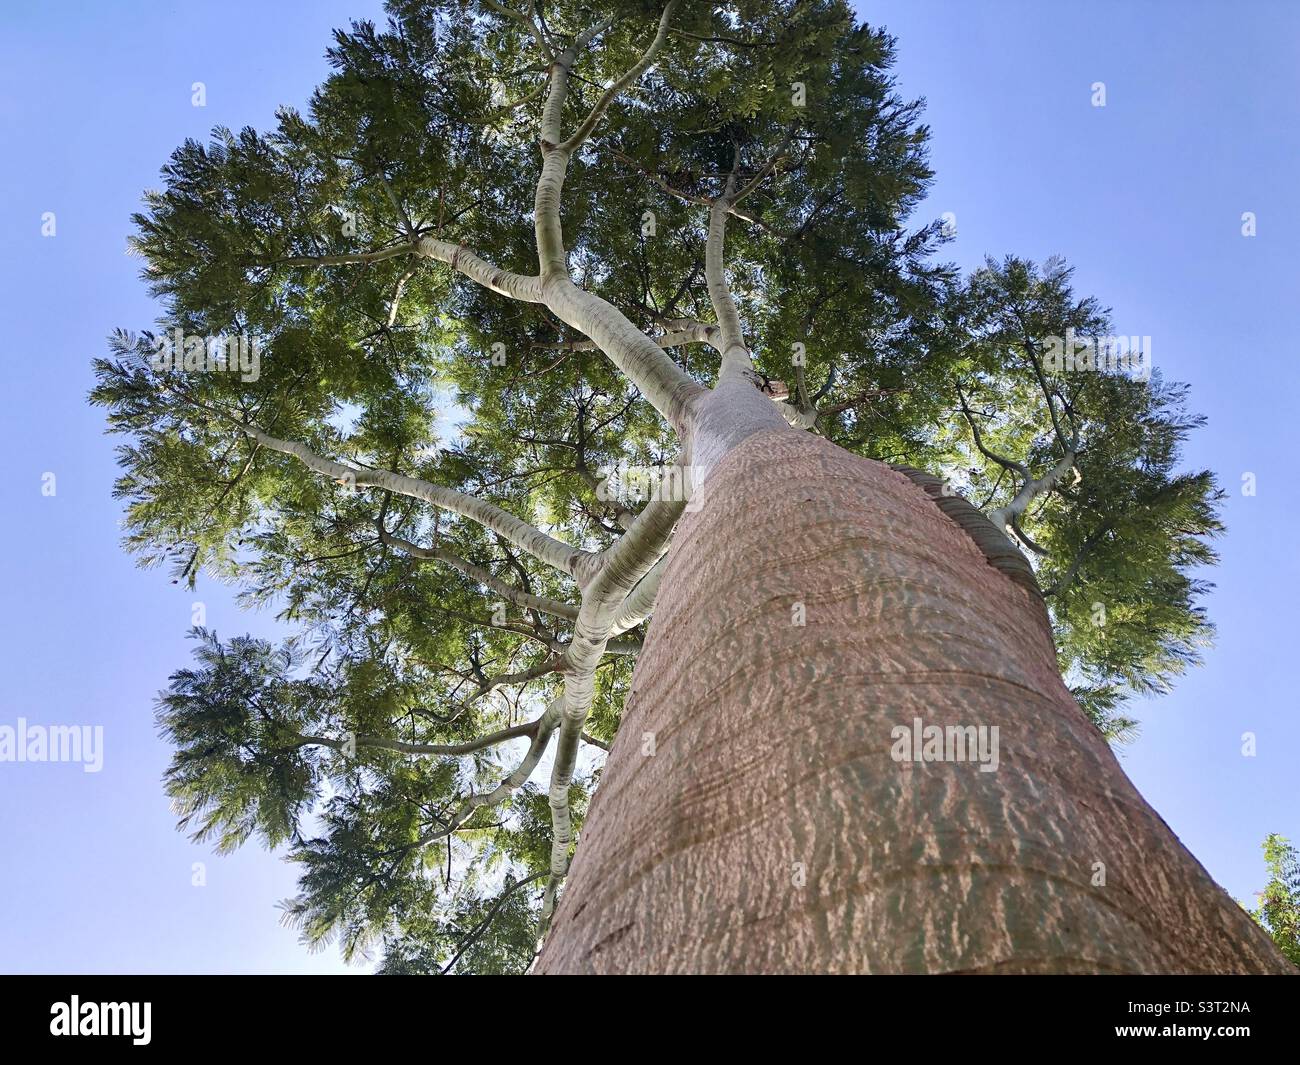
720,39
546,726
1067,578
771,164
397,206
481,576
586,738
525,100
528,728
1026,340
557,663
348,258
612,93
1001,460
481,927
528,24
1023,537
695,333
689,197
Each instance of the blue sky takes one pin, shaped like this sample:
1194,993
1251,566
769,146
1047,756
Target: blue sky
1144,196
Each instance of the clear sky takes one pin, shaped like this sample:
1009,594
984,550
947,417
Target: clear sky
1144,196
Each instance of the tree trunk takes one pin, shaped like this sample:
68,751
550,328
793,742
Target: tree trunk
753,815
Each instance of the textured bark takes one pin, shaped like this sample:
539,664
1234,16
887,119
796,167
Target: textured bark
772,831
991,539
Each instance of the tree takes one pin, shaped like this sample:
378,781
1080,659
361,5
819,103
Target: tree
1278,911
656,265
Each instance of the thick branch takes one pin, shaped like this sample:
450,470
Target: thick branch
623,566
571,560
509,592
464,261
735,353
667,387
1029,491
640,601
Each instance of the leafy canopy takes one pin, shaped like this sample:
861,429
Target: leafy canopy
409,627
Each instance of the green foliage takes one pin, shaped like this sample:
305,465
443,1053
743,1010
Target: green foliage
469,932
1118,543
1278,911
428,126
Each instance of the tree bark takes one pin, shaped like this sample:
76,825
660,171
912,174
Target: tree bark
752,818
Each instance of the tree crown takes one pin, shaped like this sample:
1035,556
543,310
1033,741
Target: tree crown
413,461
